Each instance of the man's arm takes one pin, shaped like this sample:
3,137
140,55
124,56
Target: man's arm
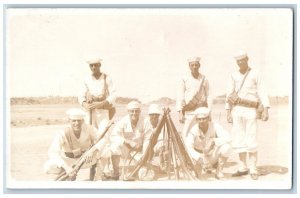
82,93
55,152
208,93
230,89
263,96
189,143
85,98
111,98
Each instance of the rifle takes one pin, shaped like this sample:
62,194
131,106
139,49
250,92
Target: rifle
184,157
149,151
93,168
176,148
79,163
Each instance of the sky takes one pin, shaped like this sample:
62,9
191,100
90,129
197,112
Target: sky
145,51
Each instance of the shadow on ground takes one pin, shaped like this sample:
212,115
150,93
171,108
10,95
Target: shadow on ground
268,169
230,164
163,176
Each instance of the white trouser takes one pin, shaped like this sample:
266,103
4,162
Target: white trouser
189,121
244,130
53,166
98,116
219,151
126,155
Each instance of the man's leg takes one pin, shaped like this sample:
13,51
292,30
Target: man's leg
239,140
199,170
116,166
252,165
101,164
243,161
93,172
100,116
222,154
188,123
252,143
221,164
243,170
51,167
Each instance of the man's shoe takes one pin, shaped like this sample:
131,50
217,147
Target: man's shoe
240,173
107,177
207,168
220,176
254,176
115,177
215,165
130,179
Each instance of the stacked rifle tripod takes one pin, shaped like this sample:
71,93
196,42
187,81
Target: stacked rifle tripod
178,164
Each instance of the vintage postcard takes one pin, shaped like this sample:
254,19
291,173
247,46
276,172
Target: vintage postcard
149,98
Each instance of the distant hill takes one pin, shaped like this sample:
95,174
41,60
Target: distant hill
125,100
58,100
121,100
279,100
163,101
43,100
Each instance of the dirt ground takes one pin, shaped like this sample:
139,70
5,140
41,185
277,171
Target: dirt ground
33,128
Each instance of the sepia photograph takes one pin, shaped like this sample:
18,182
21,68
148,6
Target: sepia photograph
149,98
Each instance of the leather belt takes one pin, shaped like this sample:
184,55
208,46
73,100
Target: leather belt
198,150
247,103
71,155
201,104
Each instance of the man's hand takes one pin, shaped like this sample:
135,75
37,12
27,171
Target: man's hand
138,147
100,105
131,144
181,117
70,172
229,116
265,115
89,106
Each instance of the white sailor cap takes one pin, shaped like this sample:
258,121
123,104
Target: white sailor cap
76,114
193,59
93,60
154,109
133,105
202,112
240,55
